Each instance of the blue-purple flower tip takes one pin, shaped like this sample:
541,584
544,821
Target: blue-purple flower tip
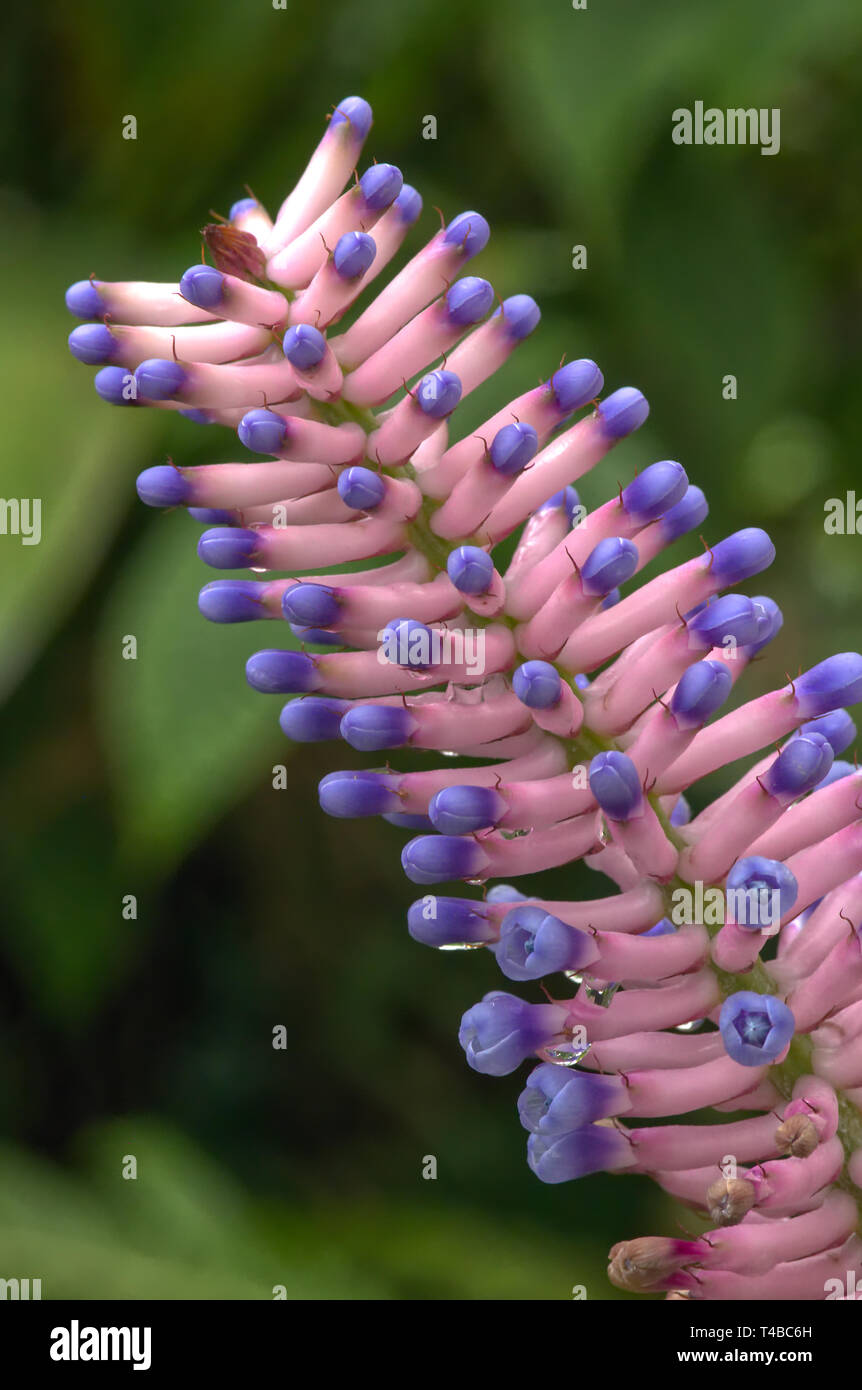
755,1028
203,286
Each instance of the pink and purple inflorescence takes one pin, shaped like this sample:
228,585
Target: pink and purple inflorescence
724,969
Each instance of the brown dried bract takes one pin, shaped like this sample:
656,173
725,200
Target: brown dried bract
642,1264
728,1200
797,1136
234,252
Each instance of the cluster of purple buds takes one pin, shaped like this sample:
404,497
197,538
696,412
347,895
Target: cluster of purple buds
724,969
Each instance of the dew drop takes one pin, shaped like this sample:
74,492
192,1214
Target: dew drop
601,994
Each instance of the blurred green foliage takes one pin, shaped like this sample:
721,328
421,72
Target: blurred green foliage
152,1036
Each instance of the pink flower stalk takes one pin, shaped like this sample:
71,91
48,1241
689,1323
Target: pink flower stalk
725,969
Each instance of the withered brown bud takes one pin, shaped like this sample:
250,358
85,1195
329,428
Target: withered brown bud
728,1199
797,1136
234,252
645,1263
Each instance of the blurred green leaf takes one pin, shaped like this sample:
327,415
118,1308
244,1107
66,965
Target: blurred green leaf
61,447
182,1229
184,734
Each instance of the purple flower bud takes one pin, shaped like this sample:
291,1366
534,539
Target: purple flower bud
409,204
802,763
211,516
836,726
459,809
732,615
262,431
575,384
557,1101
521,315
610,600
407,643
278,672
760,892
162,486
755,1028
655,491
353,794
837,772
741,555
537,684
468,300
116,385
623,411
406,820
243,206
689,512
380,185
681,813
92,343
498,1033
310,605
437,858
304,347
231,601
470,569
361,489
615,783
571,501
228,547
662,928
469,231
353,254
370,727
612,562
84,301
770,620
312,719
575,1155
159,379
835,681
567,498
446,923
699,693
203,285
355,110
512,448
505,893
438,393
534,943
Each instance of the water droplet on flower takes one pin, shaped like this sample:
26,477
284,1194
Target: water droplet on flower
566,1056
462,946
601,994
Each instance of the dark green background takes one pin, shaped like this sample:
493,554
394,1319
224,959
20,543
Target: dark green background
152,1037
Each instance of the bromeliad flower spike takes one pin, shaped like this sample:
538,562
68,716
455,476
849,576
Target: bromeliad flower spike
587,704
